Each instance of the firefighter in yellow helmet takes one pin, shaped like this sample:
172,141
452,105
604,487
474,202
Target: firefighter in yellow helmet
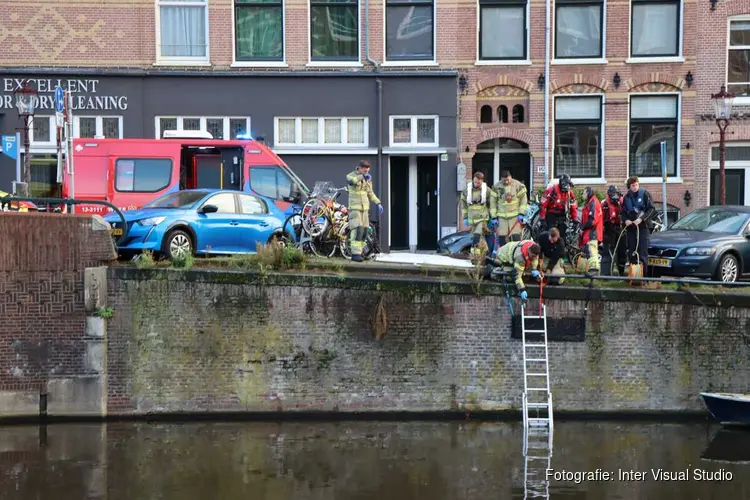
511,202
360,195
515,258
477,208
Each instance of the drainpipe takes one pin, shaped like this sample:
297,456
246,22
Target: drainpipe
379,92
546,98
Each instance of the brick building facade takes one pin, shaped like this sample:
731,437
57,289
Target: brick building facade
593,56
723,57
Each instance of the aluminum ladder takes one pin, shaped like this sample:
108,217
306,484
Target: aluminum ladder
537,454
537,398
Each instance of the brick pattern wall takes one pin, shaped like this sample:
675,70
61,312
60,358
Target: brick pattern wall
42,263
712,74
202,342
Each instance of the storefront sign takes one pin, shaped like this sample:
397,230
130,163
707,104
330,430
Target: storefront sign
86,96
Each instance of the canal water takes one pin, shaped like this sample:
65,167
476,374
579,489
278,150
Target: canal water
366,460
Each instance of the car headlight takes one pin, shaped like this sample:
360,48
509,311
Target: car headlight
151,221
703,251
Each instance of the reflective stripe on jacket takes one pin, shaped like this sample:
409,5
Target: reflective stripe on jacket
512,200
360,192
478,211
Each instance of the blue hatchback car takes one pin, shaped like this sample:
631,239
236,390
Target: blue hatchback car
199,222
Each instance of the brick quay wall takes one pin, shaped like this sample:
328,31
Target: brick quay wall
80,337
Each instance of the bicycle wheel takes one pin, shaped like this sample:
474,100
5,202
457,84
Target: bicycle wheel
344,247
292,230
315,218
325,244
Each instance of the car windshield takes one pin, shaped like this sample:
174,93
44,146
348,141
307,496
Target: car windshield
181,199
714,220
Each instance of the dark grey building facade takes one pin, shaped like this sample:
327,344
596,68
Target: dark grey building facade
321,125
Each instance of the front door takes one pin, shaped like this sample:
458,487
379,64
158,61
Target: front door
399,200
218,232
735,186
485,163
427,202
518,164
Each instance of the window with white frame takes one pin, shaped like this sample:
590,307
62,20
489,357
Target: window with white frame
414,131
323,132
578,28
220,127
42,130
655,28
738,59
334,30
502,30
653,119
409,30
182,32
107,127
578,134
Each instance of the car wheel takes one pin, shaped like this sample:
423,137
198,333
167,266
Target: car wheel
178,244
728,269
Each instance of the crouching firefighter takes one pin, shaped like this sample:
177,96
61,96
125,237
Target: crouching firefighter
477,207
514,258
360,195
592,231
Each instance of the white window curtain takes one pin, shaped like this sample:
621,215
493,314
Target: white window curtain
183,28
356,131
655,29
578,108
650,107
333,131
503,32
310,131
287,129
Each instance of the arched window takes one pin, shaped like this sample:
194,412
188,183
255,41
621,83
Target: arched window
502,114
517,113
485,114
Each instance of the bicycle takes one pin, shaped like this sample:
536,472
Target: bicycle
316,213
372,241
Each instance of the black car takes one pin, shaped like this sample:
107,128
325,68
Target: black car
709,243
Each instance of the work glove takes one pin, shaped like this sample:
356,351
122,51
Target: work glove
380,208
367,177
524,295
493,223
466,222
535,274
520,219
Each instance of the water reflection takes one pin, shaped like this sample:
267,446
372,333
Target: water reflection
353,460
537,454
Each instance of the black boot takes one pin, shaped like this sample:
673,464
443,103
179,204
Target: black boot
357,258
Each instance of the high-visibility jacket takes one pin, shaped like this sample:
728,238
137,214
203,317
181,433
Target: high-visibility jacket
478,204
360,192
512,200
556,201
592,221
516,254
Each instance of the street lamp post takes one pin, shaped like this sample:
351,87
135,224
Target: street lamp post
26,100
723,102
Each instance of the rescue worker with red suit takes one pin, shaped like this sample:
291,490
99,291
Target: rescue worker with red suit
611,251
557,200
592,230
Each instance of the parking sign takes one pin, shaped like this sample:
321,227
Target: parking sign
59,99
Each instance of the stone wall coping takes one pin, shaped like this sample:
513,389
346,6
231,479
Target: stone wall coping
412,285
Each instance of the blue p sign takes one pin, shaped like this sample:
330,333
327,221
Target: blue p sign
59,99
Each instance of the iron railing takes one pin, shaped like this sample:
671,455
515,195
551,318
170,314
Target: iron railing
7,201
678,281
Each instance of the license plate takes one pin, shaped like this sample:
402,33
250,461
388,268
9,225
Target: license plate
116,232
659,262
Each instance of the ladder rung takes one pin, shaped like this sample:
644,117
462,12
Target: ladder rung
535,360
535,331
533,317
536,345
536,374
536,405
536,389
